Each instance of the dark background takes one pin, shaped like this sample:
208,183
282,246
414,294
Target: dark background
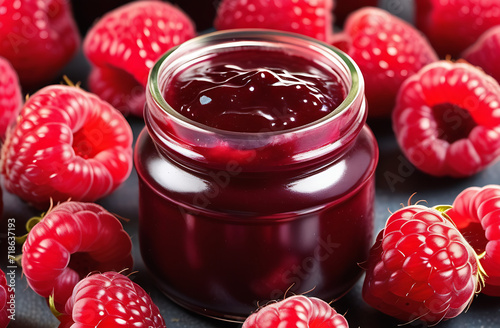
396,180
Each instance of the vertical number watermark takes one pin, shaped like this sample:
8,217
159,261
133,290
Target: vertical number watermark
12,267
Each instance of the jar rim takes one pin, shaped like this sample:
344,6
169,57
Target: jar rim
354,92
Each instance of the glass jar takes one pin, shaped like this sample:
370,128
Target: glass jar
230,220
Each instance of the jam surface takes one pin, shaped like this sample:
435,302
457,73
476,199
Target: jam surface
255,91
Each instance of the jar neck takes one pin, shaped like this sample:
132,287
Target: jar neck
195,144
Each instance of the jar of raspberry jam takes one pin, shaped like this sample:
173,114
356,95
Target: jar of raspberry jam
256,172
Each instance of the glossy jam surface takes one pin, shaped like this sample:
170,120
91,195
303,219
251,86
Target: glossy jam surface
255,91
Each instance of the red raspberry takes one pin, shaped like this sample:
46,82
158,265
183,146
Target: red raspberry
447,119
10,96
38,38
71,241
420,267
313,18
7,301
484,52
297,311
110,299
126,42
67,144
128,96
388,50
478,211
453,25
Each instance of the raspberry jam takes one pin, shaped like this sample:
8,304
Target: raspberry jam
249,91
233,215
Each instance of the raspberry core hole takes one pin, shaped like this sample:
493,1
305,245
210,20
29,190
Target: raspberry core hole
94,137
453,122
474,234
82,263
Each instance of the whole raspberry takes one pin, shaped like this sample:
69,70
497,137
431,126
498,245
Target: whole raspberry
313,18
10,96
484,52
387,50
478,211
447,119
67,143
297,311
453,25
71,241
420,267
107,300
7,301
126,42
38,37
